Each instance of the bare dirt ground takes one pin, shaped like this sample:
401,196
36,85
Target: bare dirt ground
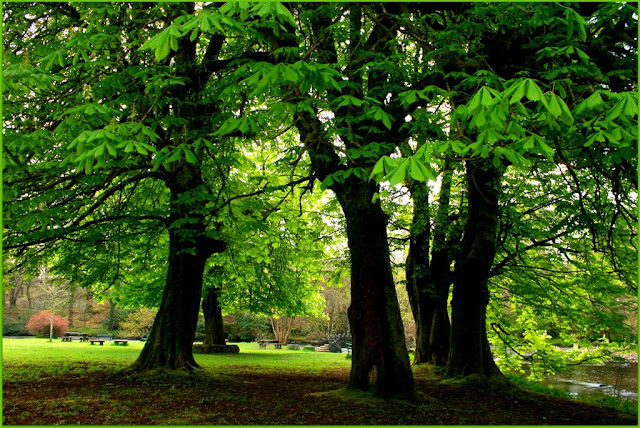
243,396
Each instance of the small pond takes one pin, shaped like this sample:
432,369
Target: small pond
618,380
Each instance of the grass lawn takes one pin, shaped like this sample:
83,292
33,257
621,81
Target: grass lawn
78,383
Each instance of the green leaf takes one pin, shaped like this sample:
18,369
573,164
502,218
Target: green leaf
99,151
162,51
327,182
88,165
378,170
112,151
399,174
284,14
533,91
140,149
189,156
518,92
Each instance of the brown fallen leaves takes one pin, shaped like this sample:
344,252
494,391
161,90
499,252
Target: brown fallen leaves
246,397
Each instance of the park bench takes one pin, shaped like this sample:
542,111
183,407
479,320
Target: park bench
104,337
262,343
100,341
122,342
72,335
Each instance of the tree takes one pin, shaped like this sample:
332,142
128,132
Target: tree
158,112
46,325
54,295
126,116
509,122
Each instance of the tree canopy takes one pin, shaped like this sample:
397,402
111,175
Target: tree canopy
151,148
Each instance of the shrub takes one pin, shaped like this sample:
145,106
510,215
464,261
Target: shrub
14,327
39,324
138,323
245,327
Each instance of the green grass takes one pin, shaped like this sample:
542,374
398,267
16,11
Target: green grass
25,359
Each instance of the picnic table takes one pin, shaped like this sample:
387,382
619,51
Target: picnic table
71,335
262,343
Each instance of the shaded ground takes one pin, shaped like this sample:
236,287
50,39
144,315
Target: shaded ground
240,395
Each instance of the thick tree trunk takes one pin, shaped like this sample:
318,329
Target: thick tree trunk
469,351
379,361
213,324
170,341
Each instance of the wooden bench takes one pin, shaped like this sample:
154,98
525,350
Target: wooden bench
122,342
100,341
262,343
74,335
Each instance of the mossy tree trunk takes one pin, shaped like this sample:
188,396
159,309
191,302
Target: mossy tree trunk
428,272
469,351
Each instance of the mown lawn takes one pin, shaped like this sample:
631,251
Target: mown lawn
78,383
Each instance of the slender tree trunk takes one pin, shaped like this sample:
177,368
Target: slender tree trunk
379,361
72,300
213,324
282,328
170,341
51,325
111,322
420,287
28,293
439,336
469,351
428,272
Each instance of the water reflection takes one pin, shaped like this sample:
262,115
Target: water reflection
618,380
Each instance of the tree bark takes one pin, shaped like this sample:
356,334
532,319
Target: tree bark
282,328
441,255
469,351
72,301
170,341
379,361
213,324
420,286
428,272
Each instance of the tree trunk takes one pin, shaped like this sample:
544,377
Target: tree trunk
51,325
379,361
429,275
469,351
111,321
282,328
72,301
14,293
420,287
28,293
213,324
439,336
170,341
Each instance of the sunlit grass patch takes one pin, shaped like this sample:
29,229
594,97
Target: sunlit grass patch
26,359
